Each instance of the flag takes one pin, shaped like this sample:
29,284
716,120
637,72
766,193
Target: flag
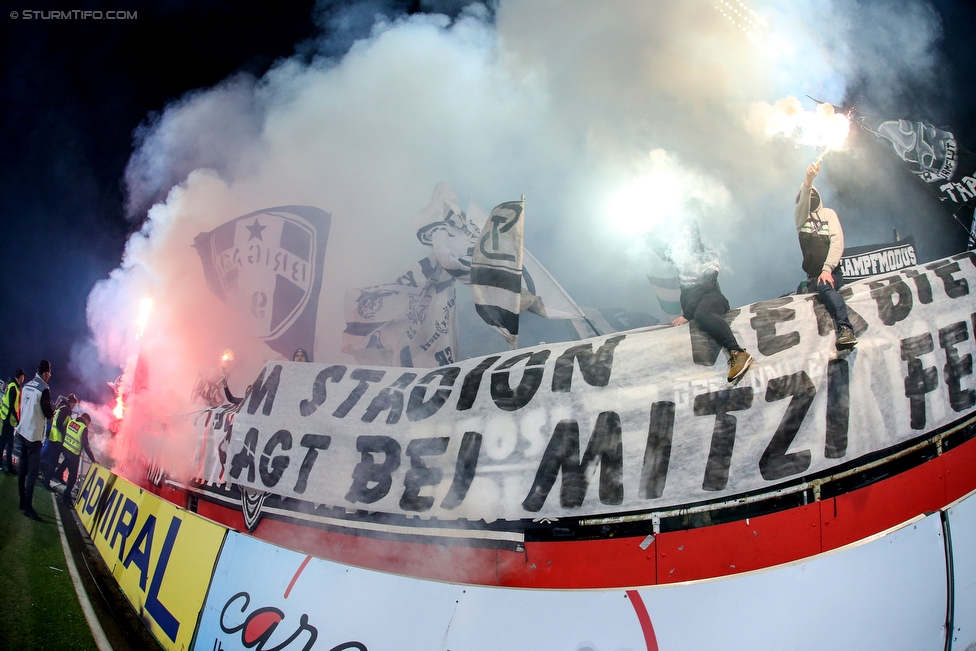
543,293
668,293
268,264
933,154
496,270
411,322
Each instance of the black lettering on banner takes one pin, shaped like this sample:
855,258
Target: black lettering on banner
922,285
472,382
594,367
420,475
279,463
919,380
957,367
389,398
313,443
825,322
776,462
245,456
563,453
768,314
262,389
367,471
334,373
364,376
704,349
953,288
467,464
719,404
504,395
417,407
890,311
657,452
838,408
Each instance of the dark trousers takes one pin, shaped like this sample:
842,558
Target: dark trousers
833,301
69,463
30,462
50,457
708,316
7,443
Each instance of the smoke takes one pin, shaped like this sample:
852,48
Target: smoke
567,102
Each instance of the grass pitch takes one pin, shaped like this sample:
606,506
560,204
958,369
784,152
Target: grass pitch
40,608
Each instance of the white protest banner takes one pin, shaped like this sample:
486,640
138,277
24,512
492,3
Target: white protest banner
625,423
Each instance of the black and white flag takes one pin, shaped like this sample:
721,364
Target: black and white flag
268,263
411,322
934,155
496,270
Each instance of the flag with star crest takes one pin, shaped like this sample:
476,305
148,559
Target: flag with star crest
268,264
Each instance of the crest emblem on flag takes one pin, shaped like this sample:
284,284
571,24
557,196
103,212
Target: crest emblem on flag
269,264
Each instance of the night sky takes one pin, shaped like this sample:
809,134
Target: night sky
76,94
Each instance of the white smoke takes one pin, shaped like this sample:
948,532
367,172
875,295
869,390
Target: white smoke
562,101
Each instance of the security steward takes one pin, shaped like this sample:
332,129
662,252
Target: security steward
10,418
75,438
51,452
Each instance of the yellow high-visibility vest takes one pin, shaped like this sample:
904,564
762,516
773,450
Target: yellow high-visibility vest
72,436
56,434
10,405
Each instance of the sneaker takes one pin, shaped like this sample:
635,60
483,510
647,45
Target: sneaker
845,338
739,363
32,514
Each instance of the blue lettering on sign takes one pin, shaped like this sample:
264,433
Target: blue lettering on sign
154,606
140,551
89,494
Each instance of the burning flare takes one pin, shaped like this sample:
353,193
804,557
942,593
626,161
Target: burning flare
823,128
145,309
119,409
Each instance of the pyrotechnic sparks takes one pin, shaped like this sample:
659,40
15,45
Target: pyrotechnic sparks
145,309
823,128
228,356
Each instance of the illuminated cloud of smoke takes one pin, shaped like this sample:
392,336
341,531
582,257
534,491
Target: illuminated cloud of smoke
567,102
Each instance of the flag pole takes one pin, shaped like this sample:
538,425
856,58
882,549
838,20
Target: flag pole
522,244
